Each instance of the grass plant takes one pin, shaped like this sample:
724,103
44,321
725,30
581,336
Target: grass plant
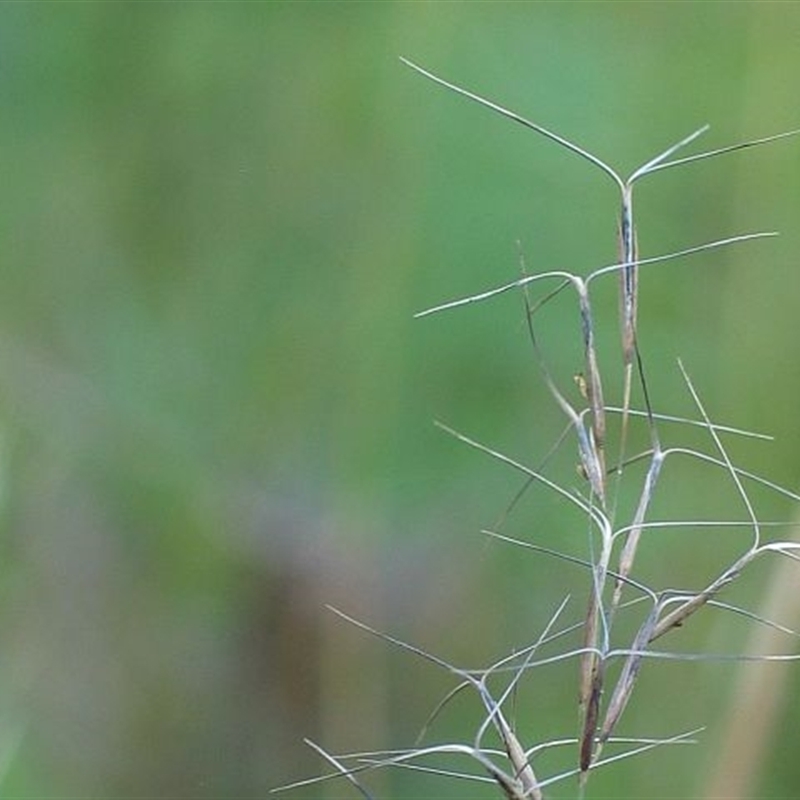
494,752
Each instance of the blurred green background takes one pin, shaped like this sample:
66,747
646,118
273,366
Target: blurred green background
217,222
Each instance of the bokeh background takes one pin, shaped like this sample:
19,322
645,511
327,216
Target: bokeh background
216,409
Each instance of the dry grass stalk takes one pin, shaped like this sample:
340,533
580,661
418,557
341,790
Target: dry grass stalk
510,766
